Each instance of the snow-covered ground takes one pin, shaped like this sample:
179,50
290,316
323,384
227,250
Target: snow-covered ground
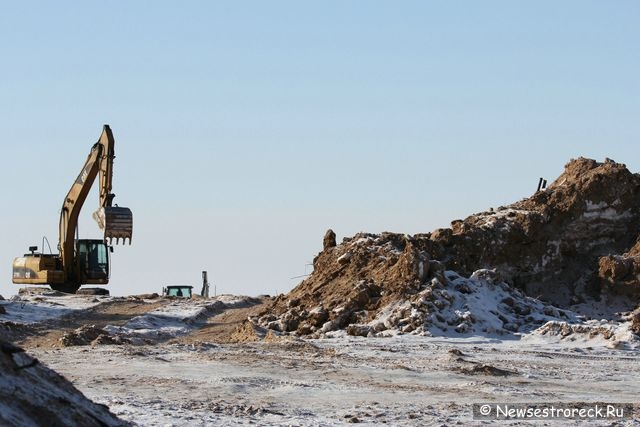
406,380
36,308
397,380
176,318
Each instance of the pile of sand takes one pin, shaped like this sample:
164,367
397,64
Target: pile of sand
479,275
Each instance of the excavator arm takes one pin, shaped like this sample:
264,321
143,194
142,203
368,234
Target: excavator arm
117,222
73,204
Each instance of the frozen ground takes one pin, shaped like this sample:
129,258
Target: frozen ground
404,380
400,380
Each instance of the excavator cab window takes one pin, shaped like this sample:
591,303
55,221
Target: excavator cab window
93,259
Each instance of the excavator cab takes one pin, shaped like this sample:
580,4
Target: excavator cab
92,261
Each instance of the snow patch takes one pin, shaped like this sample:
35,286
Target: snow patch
603,210
31,309
478,305
175,319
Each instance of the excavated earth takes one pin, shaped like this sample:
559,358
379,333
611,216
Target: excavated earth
569,246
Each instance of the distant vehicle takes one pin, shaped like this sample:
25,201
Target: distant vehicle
183,291
80,261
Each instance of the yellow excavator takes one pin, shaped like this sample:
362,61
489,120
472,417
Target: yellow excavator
81,261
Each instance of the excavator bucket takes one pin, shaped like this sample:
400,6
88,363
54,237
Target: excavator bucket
116,221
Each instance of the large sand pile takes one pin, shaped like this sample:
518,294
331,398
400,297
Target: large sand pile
506,270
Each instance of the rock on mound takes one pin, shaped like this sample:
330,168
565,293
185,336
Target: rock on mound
32,394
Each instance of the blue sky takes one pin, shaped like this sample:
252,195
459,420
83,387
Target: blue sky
245,129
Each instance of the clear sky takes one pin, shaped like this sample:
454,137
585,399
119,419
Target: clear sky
245,129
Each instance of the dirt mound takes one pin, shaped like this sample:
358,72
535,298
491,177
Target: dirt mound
615,335
474,276
247,332
550,244
413,301
90,335
564,329
347,284
32,394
